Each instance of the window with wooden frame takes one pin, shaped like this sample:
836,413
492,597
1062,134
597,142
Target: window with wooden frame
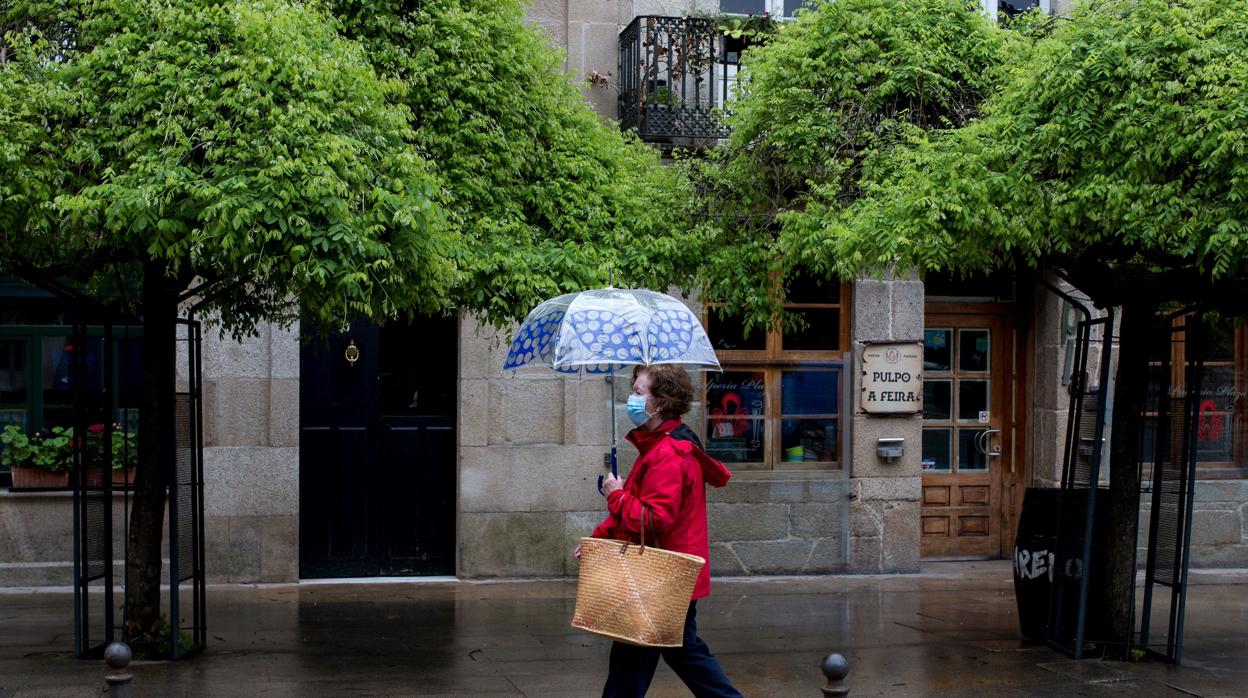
778,405
1221,438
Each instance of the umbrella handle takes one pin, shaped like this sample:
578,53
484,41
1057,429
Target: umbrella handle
614,470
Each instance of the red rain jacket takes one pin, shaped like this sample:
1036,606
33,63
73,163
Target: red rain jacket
670,477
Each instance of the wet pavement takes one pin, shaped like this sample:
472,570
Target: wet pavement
951,630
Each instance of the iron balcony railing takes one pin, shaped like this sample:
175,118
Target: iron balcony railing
676,75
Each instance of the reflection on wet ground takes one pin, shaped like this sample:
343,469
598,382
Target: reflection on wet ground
948,631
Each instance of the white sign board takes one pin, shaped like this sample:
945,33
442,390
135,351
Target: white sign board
892,378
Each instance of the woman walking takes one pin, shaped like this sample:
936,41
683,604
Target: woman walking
669,478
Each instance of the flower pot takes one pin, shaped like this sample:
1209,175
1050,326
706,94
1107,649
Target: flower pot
37,478
123,476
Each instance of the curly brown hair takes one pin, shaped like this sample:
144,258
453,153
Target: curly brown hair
670,387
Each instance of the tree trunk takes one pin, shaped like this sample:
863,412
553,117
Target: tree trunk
157,446
1124,473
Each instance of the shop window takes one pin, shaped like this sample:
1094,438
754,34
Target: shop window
1221,440
37,390
778,403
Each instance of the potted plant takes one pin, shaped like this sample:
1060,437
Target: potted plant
125,448
37,461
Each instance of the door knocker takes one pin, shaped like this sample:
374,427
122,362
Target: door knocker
351,353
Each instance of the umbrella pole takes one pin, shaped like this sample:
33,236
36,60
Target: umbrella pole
611,410
610,458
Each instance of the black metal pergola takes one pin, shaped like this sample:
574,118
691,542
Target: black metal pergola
103,349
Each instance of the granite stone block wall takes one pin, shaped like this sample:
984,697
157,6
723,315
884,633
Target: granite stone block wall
36,538
884,497
251,455
1219,524
531,448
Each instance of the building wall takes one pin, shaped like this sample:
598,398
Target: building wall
251,456
884,512
37,541
532,447
588,31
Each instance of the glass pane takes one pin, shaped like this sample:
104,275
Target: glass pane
973,350
743,6
13,377
937,449
728,332
58,379
1157,379
791,6
1148,441
937,348
1217,388
1213,435
1012,8
735,403
972,399
937,399
13,386
969,457
129,357
1219,340
736,440
803,288
808,440
810,392
822,330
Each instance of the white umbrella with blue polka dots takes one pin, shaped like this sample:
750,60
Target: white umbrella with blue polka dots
608,329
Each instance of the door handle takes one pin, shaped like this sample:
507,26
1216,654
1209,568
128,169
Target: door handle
981,443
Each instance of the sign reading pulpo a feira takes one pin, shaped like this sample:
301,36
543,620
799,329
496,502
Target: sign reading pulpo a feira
892,378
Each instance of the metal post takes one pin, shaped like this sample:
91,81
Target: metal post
835,668
117,656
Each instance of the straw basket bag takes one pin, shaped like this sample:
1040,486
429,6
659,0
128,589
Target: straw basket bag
634,593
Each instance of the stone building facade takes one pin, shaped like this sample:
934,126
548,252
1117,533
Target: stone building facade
526,451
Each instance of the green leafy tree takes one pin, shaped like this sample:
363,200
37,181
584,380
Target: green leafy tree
546,197
241,154
1115,156
267,159
839,88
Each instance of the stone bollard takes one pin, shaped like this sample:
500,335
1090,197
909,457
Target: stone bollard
836,668
117,656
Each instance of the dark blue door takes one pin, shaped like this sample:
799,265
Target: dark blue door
377,451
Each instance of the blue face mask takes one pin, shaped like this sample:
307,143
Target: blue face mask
637,409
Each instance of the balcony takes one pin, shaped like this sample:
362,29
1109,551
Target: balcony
676,75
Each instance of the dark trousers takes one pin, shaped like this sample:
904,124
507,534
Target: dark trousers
632,667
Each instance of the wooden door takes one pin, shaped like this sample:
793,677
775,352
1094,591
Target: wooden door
966,430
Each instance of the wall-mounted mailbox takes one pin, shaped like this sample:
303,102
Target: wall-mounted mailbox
890,449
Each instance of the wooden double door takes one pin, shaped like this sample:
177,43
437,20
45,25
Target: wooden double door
971,420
